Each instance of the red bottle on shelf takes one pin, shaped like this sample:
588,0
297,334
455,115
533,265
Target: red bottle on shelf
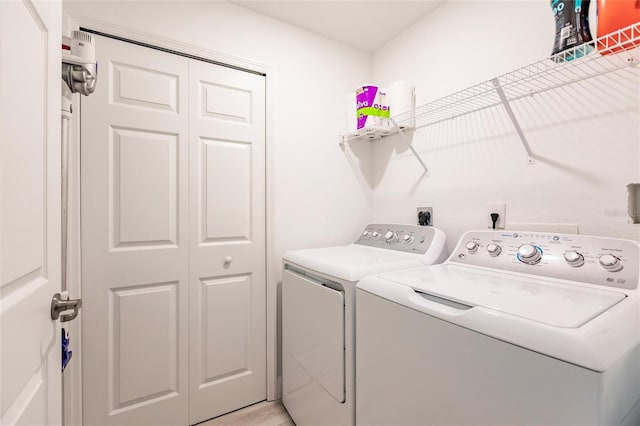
614,15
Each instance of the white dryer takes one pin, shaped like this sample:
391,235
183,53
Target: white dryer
514,329
318,315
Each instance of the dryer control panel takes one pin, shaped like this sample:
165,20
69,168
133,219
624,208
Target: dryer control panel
604,261
406,238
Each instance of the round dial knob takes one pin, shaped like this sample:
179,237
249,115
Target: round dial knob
366,234
407,238
610,262
390,236
573,258
494,250
471,246
375,235
530,254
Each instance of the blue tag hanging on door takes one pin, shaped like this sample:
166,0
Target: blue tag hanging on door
66,353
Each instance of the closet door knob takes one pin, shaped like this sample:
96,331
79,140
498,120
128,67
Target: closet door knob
228,259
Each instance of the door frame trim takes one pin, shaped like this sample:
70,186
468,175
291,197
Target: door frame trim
72,21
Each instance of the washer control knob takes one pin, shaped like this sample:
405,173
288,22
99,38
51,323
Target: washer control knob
366,234
375,235
390,236
471,246
407,238
529,254
573,258
494,250
610,262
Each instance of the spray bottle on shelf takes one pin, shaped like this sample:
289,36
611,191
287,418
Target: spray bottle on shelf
572,28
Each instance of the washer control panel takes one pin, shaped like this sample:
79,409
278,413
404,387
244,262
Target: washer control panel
407,238
604,261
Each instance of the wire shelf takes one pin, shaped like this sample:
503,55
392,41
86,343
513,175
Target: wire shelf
565,68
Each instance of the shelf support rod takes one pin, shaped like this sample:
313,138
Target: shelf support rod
514,120
409,144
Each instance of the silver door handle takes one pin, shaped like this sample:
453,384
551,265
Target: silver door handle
59,305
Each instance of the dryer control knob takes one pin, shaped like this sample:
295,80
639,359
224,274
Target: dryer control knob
390,236
366,234
573,258
494,250
610,262
529,254
407,238
471,246
375,235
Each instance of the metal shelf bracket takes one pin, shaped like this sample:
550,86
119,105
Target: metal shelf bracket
409,144
514,120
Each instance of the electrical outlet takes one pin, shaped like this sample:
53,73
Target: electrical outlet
501,209
425,216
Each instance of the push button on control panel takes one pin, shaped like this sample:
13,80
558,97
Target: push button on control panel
390,236
610,262
494,250
573,258
471,246
529,254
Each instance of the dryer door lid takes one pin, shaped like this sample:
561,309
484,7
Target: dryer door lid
545,301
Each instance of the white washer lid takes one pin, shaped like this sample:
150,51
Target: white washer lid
544,301
352,262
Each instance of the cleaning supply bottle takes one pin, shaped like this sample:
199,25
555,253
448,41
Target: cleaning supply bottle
572,28
614,15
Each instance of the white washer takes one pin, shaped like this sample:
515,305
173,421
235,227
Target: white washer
318,315
514,329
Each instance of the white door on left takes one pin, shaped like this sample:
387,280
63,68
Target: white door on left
30,377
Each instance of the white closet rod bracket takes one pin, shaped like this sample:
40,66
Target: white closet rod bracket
514,120
409,144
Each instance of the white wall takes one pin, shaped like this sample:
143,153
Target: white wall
314,181
586,138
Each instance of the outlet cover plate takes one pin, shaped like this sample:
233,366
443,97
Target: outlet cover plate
501,209
425,210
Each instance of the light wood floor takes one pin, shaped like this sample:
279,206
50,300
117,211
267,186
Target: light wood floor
261,414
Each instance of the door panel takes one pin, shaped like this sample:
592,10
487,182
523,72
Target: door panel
134,238
145,88
225,103
135,311
145,205
226,317
228,162
227,258
30,262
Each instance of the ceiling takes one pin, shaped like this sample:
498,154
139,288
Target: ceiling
363,24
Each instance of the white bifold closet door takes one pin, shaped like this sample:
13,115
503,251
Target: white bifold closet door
227,233
173,239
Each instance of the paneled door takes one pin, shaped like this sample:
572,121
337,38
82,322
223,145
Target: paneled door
173,243
30,365
227,222
134,185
